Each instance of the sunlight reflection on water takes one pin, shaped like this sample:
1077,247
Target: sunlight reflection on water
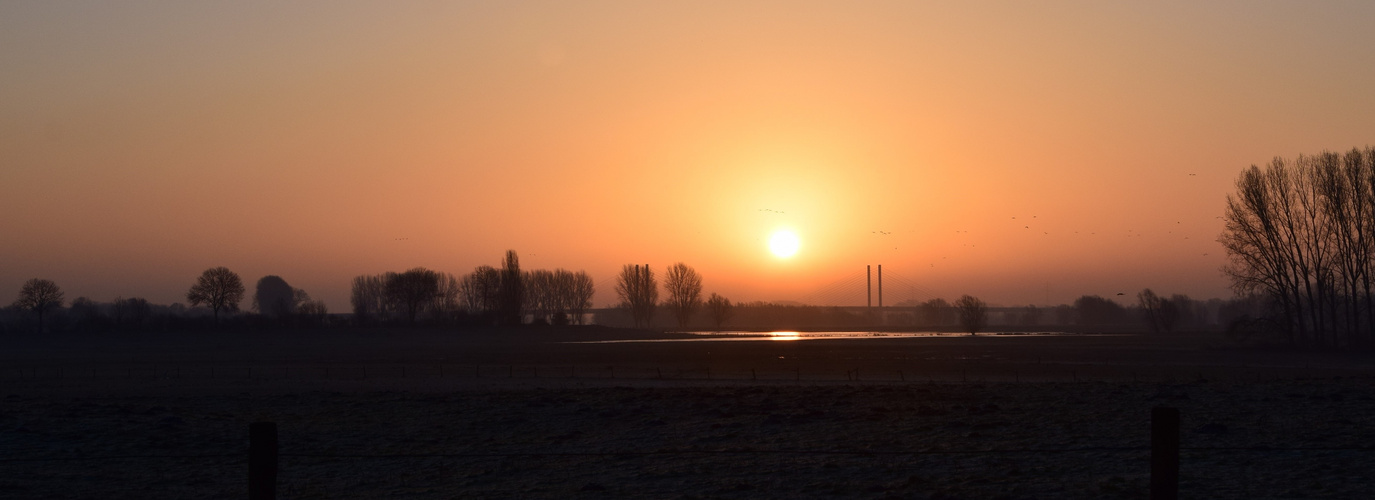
702,336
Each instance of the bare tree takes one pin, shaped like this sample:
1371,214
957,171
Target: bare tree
561,296
219,288
580,296
511,291
412,290
86,314
481,291
1299,233
684,287
1186,312
446,298
1150,308
39,296
540,293
312,312
1168,314
369,298
936,312
131,312
973,313
639,292
720,309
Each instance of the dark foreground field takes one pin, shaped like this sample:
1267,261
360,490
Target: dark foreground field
525,414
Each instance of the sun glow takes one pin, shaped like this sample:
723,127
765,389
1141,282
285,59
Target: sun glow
785,336
784,244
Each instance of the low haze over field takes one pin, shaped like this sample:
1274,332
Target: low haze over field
1026,153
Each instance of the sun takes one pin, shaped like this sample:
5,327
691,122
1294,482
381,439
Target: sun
784,243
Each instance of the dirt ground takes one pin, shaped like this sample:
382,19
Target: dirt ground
531,414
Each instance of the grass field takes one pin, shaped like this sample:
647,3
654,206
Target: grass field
533,413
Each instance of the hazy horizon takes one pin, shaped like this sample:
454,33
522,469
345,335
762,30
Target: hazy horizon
1021,153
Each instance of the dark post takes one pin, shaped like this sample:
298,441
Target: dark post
262,461
880,288
1164,453
869,286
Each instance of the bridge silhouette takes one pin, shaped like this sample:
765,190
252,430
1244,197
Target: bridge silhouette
860,289
879,288
882,295
864,287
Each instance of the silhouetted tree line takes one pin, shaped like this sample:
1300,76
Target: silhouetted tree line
487,296
412,296
276,301
1088,313
638,291
558,297
1167,314
214,299
1300,234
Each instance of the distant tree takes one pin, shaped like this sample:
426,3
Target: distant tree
1096,311
84,314
720,309
219,288
561,298
684,287
1186,312
131,312
481,291
511,293
580,296
936,312
39,296
973,313
1150,305
541,293
1031,316
638,292
446,298
412,290
1064,314
273,297
369,298
312,312
119,311
1168,314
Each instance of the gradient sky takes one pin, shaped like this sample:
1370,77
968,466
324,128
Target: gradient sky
143,142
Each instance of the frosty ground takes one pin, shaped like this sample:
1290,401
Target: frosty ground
401,413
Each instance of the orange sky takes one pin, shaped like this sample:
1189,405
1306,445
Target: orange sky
141,143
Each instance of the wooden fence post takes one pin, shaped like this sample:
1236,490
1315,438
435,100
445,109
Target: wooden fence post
1164,453
262,461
